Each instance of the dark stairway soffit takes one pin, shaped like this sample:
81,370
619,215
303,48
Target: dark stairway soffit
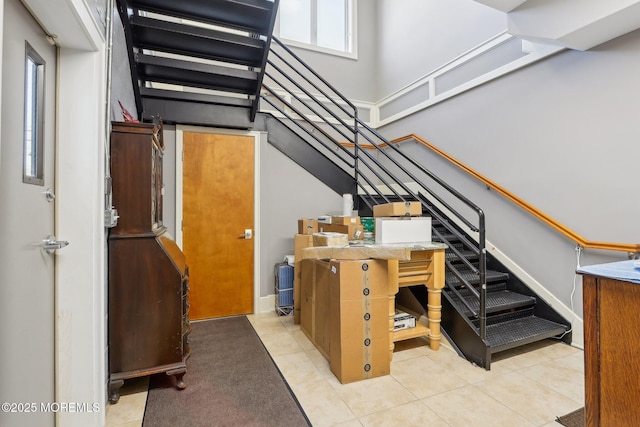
198,61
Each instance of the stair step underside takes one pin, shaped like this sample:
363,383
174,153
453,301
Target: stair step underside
194,74
495,302
246,15
521,331
192,97
198,42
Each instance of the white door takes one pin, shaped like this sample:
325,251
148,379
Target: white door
27,208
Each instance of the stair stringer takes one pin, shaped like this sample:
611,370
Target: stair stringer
308,157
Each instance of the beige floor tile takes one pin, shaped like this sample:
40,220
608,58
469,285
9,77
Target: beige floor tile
281,343
452,362
373,395
558,377
350,423
297,368
471,407
287,322
320,362
409,349
532,354
408,415
425,377
302,339
129,409
534,401
137,423
322,404
573,361
266,324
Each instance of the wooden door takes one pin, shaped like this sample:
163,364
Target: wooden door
27,209
217,210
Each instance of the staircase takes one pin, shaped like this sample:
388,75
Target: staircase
213,63
198,61
508,315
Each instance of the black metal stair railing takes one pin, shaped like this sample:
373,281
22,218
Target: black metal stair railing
323,117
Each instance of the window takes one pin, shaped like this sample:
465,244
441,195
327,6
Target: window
324,25
32,172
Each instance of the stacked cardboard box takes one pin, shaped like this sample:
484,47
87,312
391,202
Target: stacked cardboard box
359,319
314,304
307,226
300,241
398,209
349,225
400,222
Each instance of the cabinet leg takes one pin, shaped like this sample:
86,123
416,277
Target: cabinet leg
114,390
178,374
180,384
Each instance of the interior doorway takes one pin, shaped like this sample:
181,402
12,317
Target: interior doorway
217,196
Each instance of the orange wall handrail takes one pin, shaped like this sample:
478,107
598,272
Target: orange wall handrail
566,231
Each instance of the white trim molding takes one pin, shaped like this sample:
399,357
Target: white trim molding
495,57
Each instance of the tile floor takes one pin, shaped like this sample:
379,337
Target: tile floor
528,387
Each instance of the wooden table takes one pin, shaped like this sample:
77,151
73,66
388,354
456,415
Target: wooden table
611,305
409,264
424,268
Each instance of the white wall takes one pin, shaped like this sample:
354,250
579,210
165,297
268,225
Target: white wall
356,79
414,37
562,135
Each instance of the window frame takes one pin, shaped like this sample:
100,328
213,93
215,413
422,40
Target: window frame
33,144
351,32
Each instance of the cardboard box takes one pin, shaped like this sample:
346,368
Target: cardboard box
353,231
398,209
326,238
402,320
307,226
359,320
314,307
300,241
345,220
403,230
324,219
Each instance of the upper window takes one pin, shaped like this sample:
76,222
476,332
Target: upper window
324,25
33,118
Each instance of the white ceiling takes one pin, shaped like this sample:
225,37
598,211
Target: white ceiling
575,24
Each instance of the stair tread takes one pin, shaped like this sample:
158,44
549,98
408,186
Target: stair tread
520,331
495,302
471,277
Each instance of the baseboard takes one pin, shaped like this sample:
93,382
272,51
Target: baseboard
267,304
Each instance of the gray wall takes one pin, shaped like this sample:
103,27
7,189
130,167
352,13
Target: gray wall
356,79
121,85
414,37
562,135
287,193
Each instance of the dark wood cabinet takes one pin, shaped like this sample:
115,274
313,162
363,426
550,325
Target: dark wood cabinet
611,336
148,273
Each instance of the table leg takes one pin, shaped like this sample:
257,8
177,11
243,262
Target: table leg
434,315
